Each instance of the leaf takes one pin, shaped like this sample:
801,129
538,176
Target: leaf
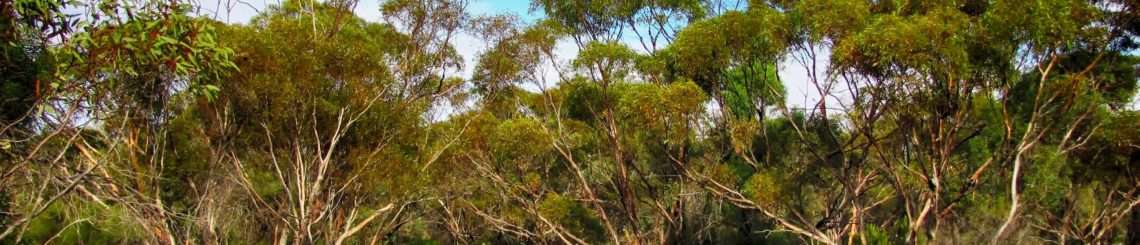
164,40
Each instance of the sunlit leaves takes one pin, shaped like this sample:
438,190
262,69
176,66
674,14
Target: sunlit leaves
520,139
594,18
606,61
926,44
764,189
832,19
516,55
663,111
684,138
706,49
1045,25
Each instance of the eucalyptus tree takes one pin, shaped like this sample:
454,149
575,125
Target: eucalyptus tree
112,64
325,125
935,122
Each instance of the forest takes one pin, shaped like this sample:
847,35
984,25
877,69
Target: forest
673,122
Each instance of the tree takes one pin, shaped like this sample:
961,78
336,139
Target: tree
937,122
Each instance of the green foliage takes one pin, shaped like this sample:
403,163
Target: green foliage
583,100
569,213
144,55
892,45
877,236
764,189
515,58
18,84
151,125
519,139
833,20
751,89
707,50
1045,24
662,111
83,222
610,60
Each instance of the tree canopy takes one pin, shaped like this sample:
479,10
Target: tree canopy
675,122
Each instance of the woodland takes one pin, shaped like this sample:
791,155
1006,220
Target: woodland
935,122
